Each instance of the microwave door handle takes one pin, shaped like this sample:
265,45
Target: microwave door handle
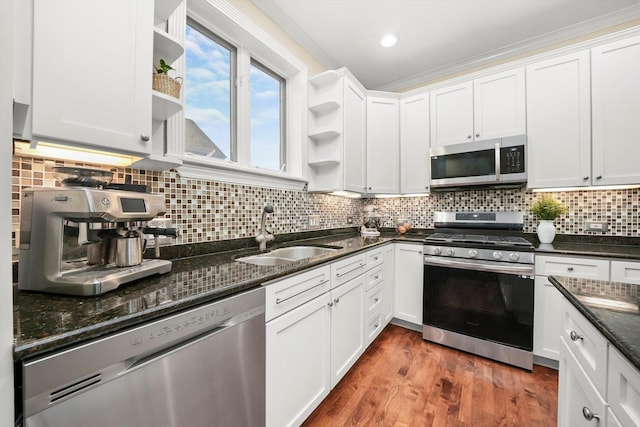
497,146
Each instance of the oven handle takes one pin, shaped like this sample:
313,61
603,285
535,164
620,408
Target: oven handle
480,266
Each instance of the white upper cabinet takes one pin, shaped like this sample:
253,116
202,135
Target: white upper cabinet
499,105
414,144
355,137
383,145
616,112
337,133
452,114
485,108
92,68
559,122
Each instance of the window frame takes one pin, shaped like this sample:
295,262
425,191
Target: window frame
222,19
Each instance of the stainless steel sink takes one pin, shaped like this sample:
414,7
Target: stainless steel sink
286,255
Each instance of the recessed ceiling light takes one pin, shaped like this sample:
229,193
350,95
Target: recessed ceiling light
389,40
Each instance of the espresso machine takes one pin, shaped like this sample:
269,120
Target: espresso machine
86,240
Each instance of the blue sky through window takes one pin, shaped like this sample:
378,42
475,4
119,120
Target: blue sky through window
208,99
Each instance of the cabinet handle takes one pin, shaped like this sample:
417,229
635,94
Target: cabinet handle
469,136
281,300
375,325
376,299
330,304
336,300
569,268
144,137
585,178
376,277
588,415
477,135
353,269
599,177
575,336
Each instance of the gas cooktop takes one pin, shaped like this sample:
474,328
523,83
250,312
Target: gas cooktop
486,239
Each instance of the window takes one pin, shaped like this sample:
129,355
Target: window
267,113
210,95
246,95
212,119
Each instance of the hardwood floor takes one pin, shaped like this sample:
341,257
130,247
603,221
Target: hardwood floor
402,380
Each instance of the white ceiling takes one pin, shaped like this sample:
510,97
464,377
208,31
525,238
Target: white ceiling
437,37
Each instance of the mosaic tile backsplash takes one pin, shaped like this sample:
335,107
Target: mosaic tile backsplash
210,211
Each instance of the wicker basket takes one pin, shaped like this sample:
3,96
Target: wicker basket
165,84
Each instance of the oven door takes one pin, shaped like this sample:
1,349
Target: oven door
491,301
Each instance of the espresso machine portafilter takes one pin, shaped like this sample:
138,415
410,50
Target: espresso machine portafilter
86,241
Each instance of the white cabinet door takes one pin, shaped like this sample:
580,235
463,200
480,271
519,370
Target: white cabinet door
547,316
408,283
388,272
575,393
623,389
452,114
616,109
499,105
383,145
354,137
298,362
414,144
559,122
348,317
92,67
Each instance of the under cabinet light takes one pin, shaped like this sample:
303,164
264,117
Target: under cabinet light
56,151
592,188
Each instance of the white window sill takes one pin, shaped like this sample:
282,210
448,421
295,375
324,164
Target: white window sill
224,171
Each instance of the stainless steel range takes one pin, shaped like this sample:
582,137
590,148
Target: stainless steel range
478,285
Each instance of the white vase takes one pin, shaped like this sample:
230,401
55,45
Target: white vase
546,231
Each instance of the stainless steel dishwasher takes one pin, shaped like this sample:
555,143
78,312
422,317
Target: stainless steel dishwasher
202,367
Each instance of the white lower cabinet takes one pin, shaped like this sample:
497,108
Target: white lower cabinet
388,271
579,403
313,340
623,390
298,362
347,326
546,318
407,295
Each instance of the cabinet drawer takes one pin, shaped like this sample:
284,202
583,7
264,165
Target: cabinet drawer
625,272
286,294
587,345
584,268
374,327
374,258
374,300
623,389
346,269
374,278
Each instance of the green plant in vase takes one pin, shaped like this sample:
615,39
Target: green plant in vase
163,83
547,209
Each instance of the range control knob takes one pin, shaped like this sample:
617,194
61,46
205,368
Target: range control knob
473,253
513,256
497,255
450,252
437,251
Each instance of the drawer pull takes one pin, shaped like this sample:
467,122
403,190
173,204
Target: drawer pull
350,271
575,336
376,277
569,268
376,299
588,415
330,304
375,325
281,300
336,300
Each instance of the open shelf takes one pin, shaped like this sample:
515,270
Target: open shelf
324,134
324,79
164,106
324,162
166,47
324,107
164,8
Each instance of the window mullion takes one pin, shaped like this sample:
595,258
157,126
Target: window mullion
243,108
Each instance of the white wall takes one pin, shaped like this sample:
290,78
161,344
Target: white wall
6,291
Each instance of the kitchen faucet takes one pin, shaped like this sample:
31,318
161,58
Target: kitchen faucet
265,235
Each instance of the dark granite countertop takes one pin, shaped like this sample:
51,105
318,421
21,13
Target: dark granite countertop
621,325
595,246
45,323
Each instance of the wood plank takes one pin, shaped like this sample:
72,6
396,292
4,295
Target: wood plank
404,381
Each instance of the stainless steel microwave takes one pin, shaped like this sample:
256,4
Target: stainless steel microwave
496,162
